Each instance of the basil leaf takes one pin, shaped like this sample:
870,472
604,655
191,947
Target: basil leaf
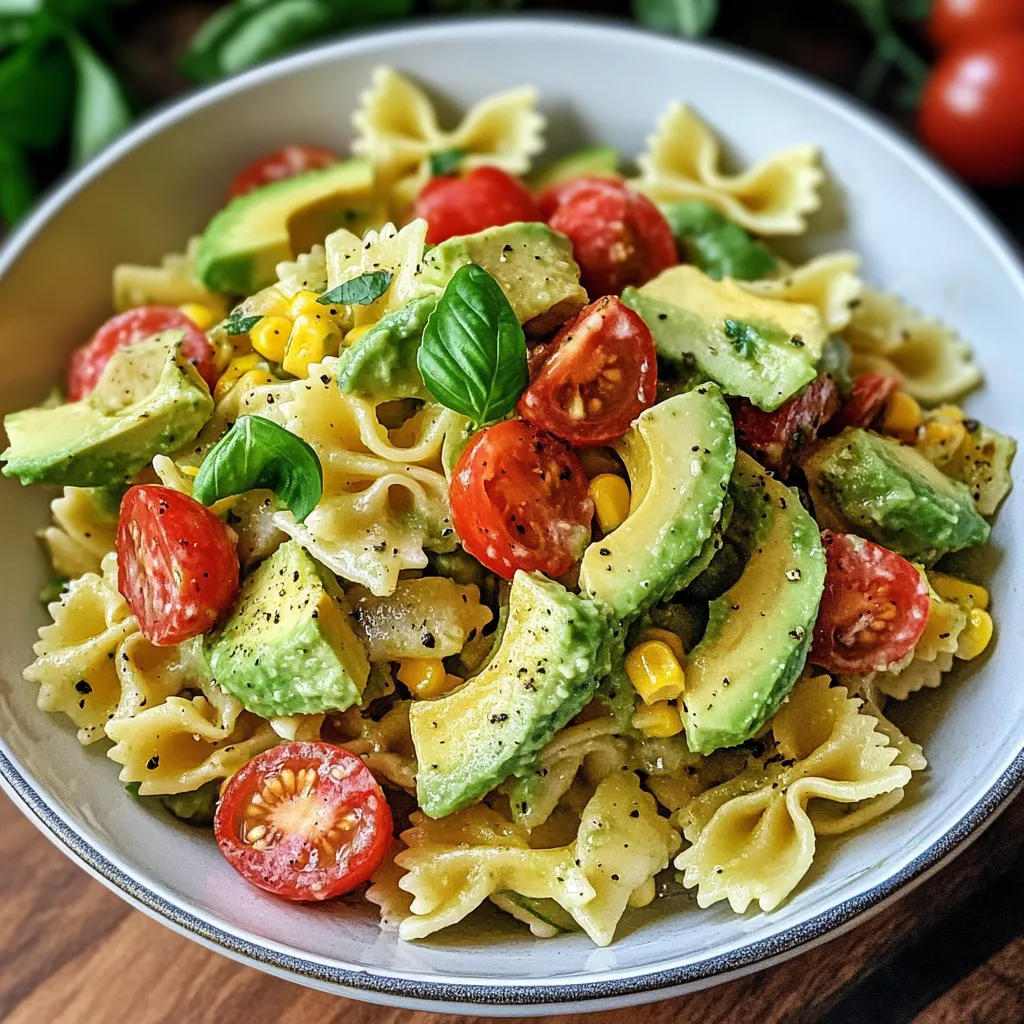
101,110
446,162
238,323
690,18
473,355
37,85
718,246
359,291
257,453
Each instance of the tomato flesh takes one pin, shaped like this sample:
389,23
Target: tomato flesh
484,198
520,501
776,438
873,610
952,23
87,363
283,163
598,375
305,821
619,237
867,399
176,563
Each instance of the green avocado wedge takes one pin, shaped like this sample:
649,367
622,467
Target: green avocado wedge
554,650
149,401
679,455
760,630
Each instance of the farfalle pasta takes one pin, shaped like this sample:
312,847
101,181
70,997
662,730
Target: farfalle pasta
83,531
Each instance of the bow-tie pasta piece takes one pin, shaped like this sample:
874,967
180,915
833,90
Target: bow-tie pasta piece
84,530
385,746
173,283
682,161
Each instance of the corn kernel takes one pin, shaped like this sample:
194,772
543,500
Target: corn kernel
610,494
308,343
302,301
943,436
976,636
357,332
666,636
655,672
426,677
950,588
204,315
270,337
236,369
951,412
256,379
902,414
659,721
189,470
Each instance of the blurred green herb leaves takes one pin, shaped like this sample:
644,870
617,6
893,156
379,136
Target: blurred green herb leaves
690,18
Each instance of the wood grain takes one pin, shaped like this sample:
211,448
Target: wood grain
73,953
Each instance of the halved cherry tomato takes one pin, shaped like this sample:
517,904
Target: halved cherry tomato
952,23
283,163
306,821
484,198
972,110
873,610
776,438
88,362
867,399
519,500
176,563
599,374
619,237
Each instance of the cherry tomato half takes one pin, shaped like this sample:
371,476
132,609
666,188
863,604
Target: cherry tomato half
484,198
519,500
873,610
306,821
88,362
972,110
776,438
283,163
176,563
867,399
619,237
952,23
598,375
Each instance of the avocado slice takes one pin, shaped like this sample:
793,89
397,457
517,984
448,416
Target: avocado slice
554,650
757,348
288,648
591,162
382,363
545,917
243,244
533,265
149,401
679,455
893,495
759,631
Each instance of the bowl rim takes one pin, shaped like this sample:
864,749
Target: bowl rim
485,996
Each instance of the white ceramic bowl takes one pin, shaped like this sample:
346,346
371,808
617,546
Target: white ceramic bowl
918,234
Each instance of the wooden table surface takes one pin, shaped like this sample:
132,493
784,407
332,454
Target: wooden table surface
71,952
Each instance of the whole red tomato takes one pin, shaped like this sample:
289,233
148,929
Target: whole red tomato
972,111
953,23
484,198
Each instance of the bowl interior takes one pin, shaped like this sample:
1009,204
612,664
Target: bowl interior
917,235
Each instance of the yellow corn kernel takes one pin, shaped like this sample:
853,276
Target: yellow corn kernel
189,470
610,494
666,636
302,301
944,436
202,315
655,672
951,412
426,677
902,414
976,635
236,369
357,332
270,337
308,343
659,721
950,588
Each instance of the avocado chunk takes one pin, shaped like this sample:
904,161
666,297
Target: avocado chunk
679,455
382,363
893,495
591,162
554,650
762,349
243,244
533,265
288,647
545,917
149,401
759,631
719,246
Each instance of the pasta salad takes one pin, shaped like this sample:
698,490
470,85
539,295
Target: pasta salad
453,531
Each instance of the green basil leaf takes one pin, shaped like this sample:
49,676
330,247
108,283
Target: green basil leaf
446,162
257,453
53,589
101,110
690,18
718,246
238,323
473,355
16,186
37,84
359,291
